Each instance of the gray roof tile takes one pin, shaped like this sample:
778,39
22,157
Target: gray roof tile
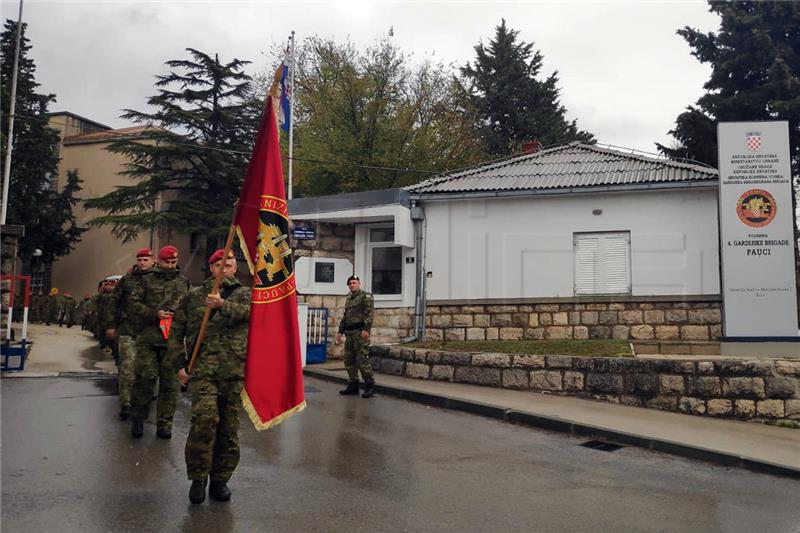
571,165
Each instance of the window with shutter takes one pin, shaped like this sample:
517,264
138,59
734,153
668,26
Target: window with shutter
602,263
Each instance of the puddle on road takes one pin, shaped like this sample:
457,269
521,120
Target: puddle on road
90,357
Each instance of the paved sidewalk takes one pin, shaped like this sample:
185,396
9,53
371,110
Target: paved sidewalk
57,351
750,445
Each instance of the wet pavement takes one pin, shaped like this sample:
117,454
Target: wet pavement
348,464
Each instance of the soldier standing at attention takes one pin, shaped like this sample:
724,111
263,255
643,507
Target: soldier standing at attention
212,448
123,322
355,326
152,365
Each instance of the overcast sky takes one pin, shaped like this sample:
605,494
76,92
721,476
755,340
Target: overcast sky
624,73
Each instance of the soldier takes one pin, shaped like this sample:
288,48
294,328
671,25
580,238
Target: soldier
212,448
126,327
80,313
52,306
102,313
355,327
68,308
165,284
37,307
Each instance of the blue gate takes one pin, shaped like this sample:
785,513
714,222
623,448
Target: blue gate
317,336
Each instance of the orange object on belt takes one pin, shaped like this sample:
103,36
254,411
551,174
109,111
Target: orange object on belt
165,324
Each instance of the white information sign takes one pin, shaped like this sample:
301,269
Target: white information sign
756,230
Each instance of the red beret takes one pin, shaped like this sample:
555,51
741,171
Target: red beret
144,252
216,256
168,252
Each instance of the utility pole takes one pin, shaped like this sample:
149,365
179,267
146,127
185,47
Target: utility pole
291,115
12,108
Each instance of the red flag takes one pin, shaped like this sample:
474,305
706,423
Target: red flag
273,377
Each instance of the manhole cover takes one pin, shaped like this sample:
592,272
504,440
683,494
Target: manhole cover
602,446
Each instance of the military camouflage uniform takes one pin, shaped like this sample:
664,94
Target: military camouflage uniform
68,307
52,309
216,380
358,314
103,305
37,308
124,320
152,364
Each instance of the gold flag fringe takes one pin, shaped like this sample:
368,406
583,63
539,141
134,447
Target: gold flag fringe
256,420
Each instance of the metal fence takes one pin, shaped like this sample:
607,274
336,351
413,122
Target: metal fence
317,335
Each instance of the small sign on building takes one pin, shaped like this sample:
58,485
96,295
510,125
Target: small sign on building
304,233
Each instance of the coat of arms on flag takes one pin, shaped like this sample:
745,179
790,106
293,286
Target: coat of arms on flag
753,140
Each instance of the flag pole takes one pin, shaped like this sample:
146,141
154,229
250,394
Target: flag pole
11,108
291,115
215,290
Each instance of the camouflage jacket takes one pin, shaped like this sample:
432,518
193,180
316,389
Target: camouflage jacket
121,312
156,291
224,348
102,304
359,310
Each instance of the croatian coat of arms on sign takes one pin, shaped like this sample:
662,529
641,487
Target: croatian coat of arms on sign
753,140
756,208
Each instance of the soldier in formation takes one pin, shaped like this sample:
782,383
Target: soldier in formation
66,314
52,307
124,323
216,380
164,286
355,328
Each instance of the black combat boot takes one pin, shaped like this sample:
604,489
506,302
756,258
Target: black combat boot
197,494
369,388
163,433
124,412
219,490
352,388
137,428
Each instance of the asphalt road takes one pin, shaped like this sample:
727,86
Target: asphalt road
348,464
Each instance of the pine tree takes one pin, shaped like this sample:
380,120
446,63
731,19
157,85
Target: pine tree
187,169
755,61
47,214
514,104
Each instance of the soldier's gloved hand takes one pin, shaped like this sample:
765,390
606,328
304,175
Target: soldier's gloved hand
338,338
364,335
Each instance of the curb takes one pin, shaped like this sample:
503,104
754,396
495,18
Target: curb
573,428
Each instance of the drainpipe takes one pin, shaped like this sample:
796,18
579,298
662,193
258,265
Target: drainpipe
418,216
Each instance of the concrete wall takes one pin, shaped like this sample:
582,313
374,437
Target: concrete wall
523,247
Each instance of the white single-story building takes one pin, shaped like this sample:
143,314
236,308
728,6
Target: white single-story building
575,241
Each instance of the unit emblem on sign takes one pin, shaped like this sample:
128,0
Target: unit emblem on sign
756,208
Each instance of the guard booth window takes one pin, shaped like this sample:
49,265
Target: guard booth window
386,262
602,263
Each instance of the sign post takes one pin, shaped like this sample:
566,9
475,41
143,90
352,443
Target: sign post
756,231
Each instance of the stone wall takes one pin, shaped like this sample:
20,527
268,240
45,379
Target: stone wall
337,240
632,320
748,390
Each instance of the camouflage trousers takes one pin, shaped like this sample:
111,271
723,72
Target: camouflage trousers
213,444
152,365
126,369
356,356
